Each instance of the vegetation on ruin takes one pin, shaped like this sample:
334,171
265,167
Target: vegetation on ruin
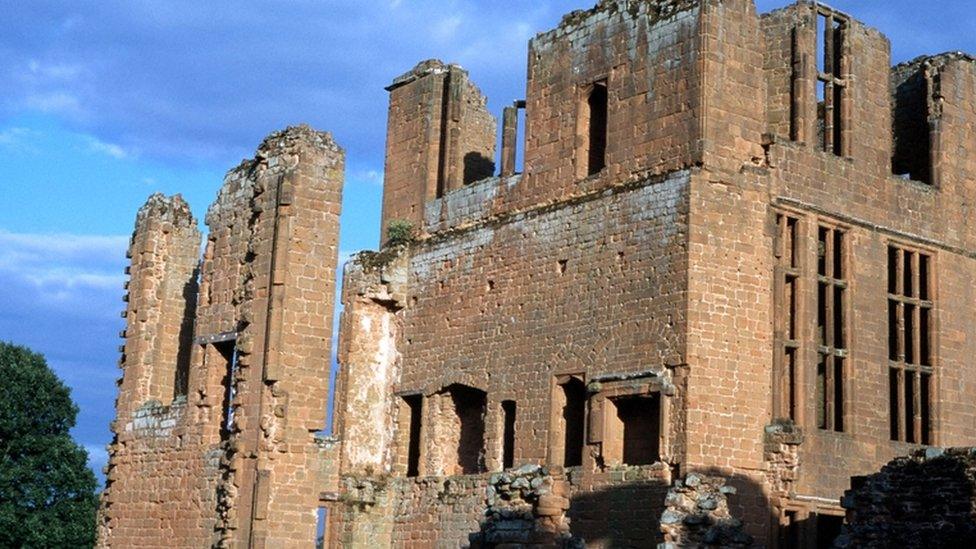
47,491
400,231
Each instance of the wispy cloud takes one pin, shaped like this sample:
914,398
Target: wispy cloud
446,29
18,139
54,71
63,267
55,102
374,177
115,151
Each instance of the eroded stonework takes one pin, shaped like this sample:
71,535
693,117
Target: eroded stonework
737,254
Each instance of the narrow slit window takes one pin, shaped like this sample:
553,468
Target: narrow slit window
573,421
594,128
508,434
321,527
832,332
786,339
227,350
910,354
415,405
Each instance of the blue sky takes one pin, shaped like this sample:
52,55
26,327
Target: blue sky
104,102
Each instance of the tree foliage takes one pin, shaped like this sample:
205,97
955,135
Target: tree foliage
47,491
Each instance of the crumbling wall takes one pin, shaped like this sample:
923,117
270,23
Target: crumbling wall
161,297
697,515
283,315
927,499
526,508
238,445
161,472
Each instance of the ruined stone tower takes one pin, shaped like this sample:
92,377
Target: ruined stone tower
738,247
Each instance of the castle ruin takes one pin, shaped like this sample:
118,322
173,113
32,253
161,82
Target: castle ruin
737,249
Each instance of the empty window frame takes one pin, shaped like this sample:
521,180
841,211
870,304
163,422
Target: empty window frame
593,129
910,354
571,422
810,527
832,329
508,434
786,337
832,82
469,407
415,406
640,418
227,350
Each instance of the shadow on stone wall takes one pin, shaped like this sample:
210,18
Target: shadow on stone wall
927,499
477,167
530,506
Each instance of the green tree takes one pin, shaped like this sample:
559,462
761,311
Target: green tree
47,491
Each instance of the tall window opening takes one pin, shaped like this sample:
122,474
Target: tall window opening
832,334
508,434
469,406
321,528
831,81
913,132
592,130
910,359
786,336
227,350
573,421
640,417
415,405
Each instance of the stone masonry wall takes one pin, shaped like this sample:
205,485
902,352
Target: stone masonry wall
927,499
238,445
634,312
282,308
440,137
161,473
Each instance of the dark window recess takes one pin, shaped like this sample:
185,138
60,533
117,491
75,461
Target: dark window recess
415,404
574,422
228,352
470,405
828,528
910,332
508,434
790,530
641,419
912,132
597,104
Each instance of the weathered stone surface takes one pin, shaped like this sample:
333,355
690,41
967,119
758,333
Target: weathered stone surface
697,515
648,295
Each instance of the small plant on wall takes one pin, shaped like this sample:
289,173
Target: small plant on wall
400,231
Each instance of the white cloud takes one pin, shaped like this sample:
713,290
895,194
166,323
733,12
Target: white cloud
447,28
54,103
374,177
62,267
54,71
19,139
110,149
